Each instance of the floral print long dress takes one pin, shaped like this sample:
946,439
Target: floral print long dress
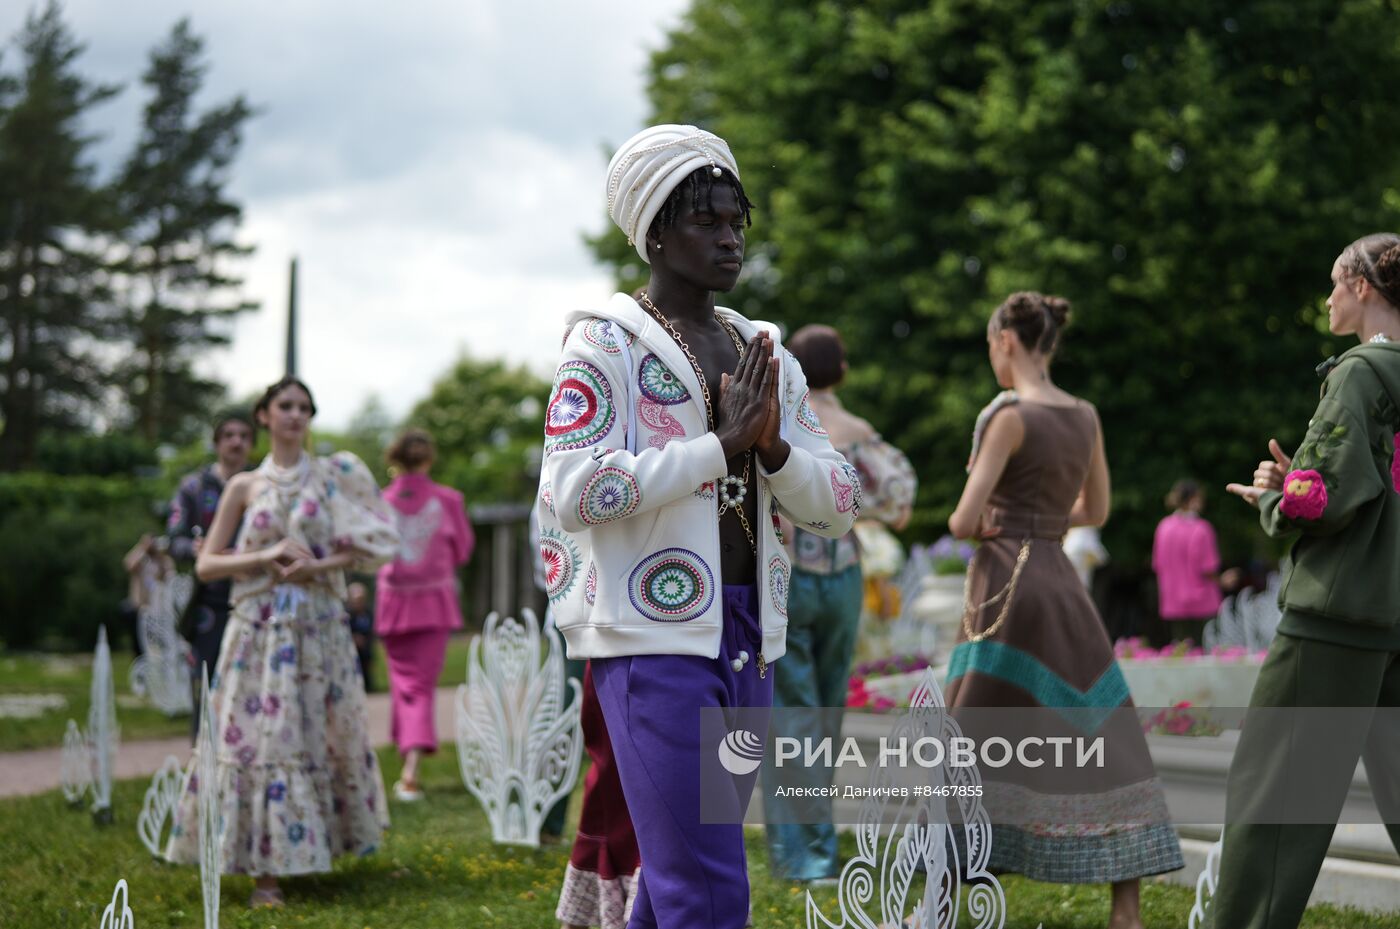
298,780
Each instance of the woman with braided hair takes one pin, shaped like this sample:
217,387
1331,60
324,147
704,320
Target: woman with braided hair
1338,643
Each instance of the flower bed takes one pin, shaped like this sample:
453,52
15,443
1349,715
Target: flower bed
885,683
1186,673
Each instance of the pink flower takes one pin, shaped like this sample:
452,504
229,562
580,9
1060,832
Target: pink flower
1304,495
1395,465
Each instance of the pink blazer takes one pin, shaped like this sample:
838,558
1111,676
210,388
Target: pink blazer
418,590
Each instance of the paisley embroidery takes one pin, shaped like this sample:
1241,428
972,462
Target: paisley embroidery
671,586
659,384
581,411
807,417
610,494
844,489
663,425
590,585
547,497
416,531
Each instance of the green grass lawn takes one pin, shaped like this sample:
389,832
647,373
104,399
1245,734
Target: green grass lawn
437,868
70,677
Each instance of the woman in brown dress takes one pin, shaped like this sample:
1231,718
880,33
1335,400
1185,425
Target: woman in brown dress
1030,636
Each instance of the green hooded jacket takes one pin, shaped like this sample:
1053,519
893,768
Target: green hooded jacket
1342,500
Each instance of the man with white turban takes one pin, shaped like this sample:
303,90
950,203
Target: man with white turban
675,432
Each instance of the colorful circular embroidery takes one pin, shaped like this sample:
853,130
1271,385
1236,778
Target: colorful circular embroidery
671,586
610,494
778,584
599,333
807,417
659,384
581,411
590,584
561,563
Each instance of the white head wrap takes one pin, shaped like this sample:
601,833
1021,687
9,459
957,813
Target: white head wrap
650,165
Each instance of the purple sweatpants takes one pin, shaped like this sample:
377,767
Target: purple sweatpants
693,874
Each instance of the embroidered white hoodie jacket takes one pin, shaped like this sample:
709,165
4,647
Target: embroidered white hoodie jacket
629,530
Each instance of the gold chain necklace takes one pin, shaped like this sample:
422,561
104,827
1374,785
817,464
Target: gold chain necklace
728,500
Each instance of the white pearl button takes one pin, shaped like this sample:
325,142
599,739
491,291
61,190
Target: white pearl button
737,665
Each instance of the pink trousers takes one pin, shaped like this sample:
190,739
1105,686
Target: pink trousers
415,661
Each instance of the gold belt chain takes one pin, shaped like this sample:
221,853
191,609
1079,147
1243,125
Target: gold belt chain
1004,597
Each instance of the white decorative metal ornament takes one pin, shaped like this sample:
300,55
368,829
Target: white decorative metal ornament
103,733
1206,884
75,765
210,818
902,841
158,809
118,913
519,738
161,672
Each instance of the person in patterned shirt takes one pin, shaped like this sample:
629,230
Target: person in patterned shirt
191,512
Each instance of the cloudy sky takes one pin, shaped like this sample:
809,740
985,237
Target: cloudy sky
433,169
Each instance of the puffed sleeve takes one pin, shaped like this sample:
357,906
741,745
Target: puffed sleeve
360,517
887,481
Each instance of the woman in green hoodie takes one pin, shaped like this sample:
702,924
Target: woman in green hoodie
1338,645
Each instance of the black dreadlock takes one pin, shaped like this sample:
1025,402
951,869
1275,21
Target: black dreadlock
699,183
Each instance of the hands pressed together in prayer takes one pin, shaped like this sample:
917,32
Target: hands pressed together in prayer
1268,476
750,414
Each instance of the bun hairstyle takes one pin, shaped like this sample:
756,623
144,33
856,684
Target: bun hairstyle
412,449
1182,493
821,353
265,403
1376,258
1036,319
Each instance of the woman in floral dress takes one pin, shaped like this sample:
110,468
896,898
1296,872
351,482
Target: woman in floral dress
297,779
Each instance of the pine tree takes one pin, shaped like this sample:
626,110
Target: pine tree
53,282
178,239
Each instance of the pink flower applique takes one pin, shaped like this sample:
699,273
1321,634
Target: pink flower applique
1304,495
1395,465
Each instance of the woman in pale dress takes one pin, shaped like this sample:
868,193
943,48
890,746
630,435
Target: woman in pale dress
298,782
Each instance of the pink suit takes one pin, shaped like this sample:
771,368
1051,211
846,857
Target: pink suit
416,604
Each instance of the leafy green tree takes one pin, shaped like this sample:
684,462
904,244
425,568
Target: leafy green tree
486,419
53,282
1183,172
178,240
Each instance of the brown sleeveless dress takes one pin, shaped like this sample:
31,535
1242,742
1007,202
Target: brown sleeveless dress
1051,656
